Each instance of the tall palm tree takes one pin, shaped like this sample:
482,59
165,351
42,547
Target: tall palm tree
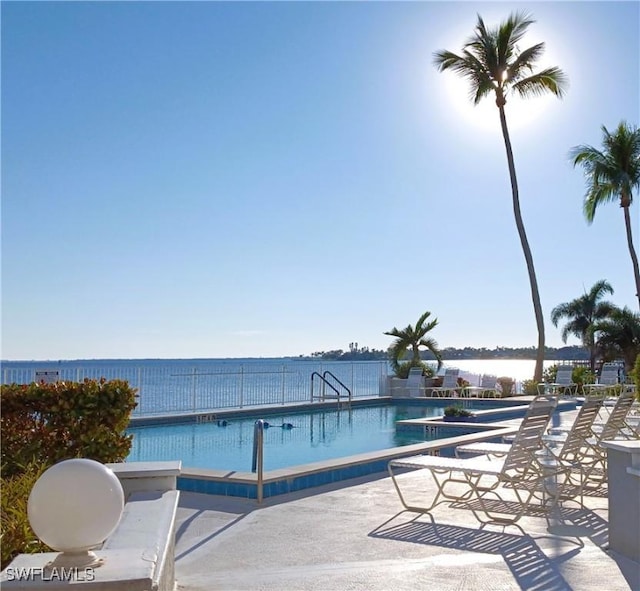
612,173
582,313
413,338
618,335
493,63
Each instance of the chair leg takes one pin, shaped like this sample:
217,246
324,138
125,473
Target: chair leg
405,504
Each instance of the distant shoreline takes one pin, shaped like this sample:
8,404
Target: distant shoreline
452,354
449,354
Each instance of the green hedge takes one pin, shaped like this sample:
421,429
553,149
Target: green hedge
46,423
42,424
17,535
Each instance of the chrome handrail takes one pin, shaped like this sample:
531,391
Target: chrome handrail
324,377
326,382
257,462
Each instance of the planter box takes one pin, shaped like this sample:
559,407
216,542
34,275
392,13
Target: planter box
471,419
397,387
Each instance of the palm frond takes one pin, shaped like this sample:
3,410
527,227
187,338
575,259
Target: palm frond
559,312
422,320
550,80
447,60
586,155
599,289
509,33
394,332
517,25
523,64
482,82
597,195
431,345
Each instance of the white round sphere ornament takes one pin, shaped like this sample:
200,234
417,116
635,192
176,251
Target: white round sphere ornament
75,505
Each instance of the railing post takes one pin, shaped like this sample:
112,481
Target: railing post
193,393
241,385
283,380
352,382
140,389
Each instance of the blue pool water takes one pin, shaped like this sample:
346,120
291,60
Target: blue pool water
312,437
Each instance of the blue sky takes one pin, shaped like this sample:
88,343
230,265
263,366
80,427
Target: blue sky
241,179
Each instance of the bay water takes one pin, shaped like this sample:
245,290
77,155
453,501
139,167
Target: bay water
190,385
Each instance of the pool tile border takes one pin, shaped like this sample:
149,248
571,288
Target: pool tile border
287,480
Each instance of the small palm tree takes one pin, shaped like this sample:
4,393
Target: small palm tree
618,335
413,338
612,174
493,64
582,313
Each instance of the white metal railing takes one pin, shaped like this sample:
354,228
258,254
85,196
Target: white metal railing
181,388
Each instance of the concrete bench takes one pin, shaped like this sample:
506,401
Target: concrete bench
147,530
146,476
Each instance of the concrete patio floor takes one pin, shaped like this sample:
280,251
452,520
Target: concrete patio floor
353,535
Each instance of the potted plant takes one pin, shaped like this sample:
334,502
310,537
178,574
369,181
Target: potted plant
410,339
530,387
506,386
457,413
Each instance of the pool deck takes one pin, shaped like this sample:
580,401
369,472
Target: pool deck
353,535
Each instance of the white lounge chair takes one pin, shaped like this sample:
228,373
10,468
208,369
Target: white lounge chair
581,426
573,451
519,471
615,427
609,374
564,383
415,383
449,384
486,389
608,382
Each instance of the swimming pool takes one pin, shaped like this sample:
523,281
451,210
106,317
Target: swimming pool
293,438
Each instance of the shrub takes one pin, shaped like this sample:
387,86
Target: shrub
506,385
42,424
17,535
582,375
462,383
47,423
456,411
530,387
636,376
550,373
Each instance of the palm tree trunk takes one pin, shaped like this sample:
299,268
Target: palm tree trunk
416,355
632,252
592,358
535,295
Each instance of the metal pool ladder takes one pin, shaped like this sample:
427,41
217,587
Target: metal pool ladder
326,383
